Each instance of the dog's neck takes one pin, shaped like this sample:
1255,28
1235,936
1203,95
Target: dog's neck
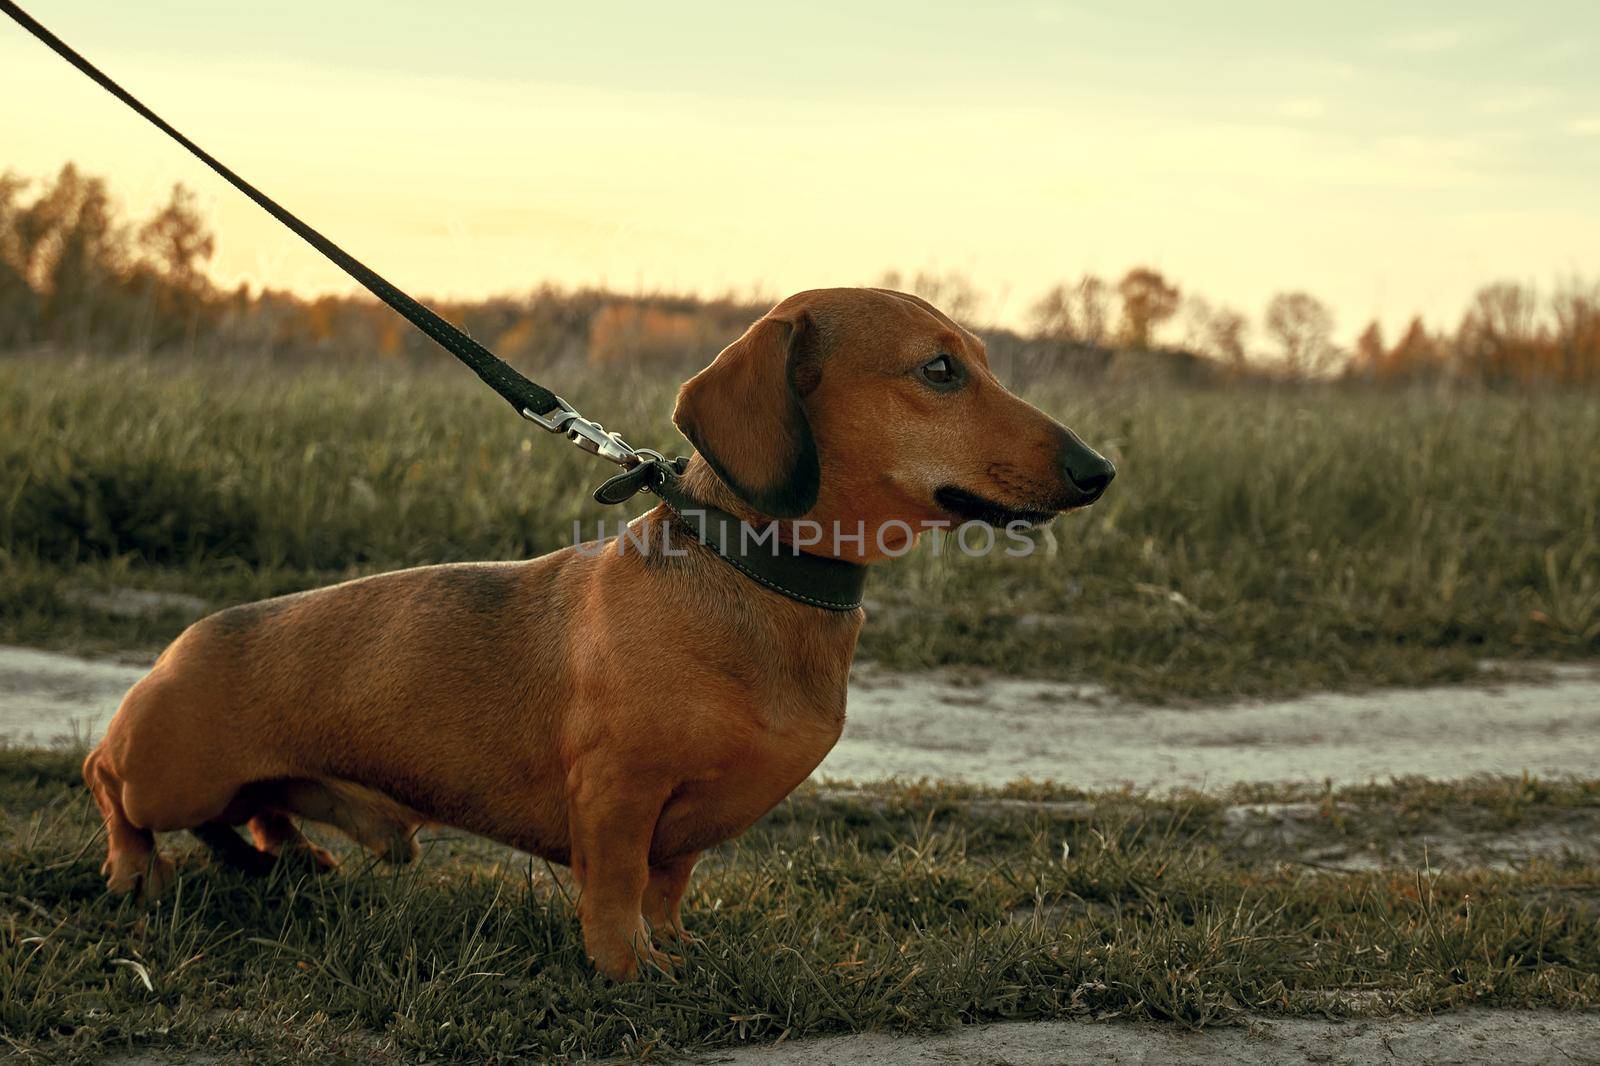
701,504
703,483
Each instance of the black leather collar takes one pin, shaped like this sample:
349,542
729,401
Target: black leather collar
814,580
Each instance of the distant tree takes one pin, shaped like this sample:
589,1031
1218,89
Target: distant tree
1076,313
1303,327
953,292
1225,337
1500,339
1094,310
1576,309
1507,310
177,240
1415,357
1370,355
74,256
19,306
1051,315
1215,332
1369,346
1148,300
176,245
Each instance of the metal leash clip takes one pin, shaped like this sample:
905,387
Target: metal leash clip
651,471
592,437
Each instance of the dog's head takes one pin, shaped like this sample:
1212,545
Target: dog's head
866,405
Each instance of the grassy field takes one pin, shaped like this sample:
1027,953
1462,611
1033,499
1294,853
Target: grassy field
1255,542
905,908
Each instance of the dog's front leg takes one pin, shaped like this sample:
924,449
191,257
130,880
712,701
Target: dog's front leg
663,898
613,816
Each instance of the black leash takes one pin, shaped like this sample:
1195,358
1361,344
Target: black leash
816,580
531,400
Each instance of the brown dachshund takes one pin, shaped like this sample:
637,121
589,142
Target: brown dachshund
616,710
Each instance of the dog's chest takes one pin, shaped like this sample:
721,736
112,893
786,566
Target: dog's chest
754,775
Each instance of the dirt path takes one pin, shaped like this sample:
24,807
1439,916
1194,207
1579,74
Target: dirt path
46,697
998,730
1464,1038
1002,729
1467,1038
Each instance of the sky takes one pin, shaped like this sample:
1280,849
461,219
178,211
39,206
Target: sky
1388,158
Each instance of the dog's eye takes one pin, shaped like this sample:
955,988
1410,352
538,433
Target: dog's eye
941,372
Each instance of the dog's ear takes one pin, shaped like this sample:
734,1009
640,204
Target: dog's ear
745,414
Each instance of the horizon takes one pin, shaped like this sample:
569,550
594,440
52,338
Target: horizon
1367,160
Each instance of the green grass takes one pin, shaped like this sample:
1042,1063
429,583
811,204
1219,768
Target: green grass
895,907
1255,542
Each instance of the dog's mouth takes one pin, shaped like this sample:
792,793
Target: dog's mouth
970,507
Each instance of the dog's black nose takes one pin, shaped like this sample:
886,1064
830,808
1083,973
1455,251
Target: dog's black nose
1088,470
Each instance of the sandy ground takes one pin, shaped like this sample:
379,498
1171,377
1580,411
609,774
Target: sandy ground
1002,729
45,697
1465,1038
1468,1038
997,730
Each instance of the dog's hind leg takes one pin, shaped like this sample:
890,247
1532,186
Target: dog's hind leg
231,849
276,833
132,862
365,815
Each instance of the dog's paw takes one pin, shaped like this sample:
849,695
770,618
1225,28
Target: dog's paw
627,959
673,934
144,878
648,962
309,857
662,962
158,878
617,968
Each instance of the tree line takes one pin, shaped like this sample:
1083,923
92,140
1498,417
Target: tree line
1509,336
75,275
